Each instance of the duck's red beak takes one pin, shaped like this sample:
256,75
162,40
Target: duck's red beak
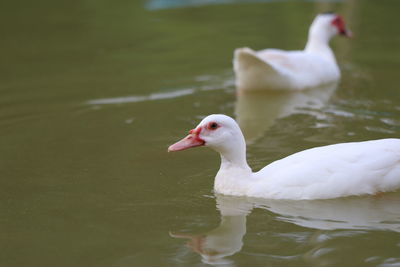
192,140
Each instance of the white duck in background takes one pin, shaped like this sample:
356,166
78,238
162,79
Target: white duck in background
275,69
332,171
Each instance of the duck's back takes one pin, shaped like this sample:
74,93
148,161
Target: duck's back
304,68
283,70
332,171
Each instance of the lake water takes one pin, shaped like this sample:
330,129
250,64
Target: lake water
93,93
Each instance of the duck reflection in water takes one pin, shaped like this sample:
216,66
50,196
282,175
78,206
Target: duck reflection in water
256,111
227,238
354,213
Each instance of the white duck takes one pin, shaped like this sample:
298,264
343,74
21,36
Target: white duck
275,69
332,171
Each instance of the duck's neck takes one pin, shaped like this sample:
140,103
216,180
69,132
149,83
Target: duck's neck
318,43
234,173
234,156
230,161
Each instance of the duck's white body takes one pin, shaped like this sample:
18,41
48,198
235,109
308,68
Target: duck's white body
275,69
283,70
332,171
320,173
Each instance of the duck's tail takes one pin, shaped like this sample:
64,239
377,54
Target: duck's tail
253,73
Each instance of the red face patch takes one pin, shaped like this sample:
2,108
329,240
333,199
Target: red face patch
196,133
339,24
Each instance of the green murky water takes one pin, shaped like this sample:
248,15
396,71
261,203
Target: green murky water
93,92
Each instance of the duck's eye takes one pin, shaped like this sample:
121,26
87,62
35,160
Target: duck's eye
213,125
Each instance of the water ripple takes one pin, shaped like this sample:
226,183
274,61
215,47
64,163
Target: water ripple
168,4
134,99
203,83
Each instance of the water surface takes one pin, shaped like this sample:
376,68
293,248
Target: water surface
93,92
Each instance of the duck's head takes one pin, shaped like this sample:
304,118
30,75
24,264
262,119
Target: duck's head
216,131
329,23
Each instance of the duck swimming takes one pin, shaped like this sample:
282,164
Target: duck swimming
332,171
274,69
